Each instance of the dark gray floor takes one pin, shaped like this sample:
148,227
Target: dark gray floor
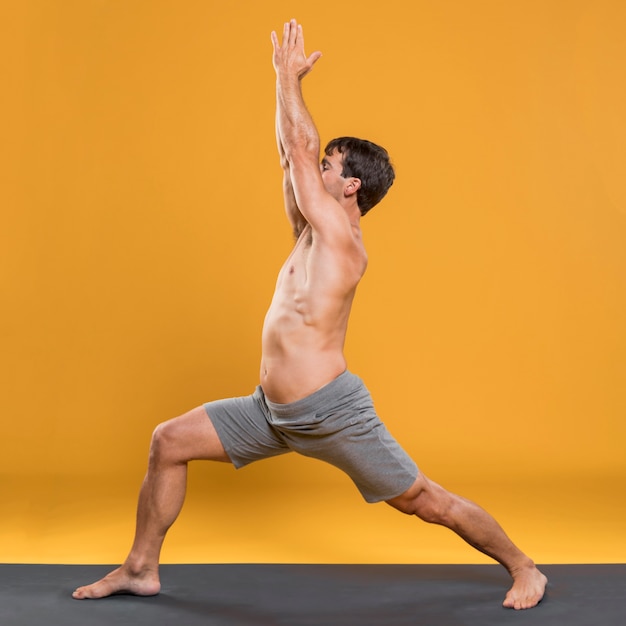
315,595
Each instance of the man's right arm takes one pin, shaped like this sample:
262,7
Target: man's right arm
299,140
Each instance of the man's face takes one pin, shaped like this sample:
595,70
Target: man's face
331,168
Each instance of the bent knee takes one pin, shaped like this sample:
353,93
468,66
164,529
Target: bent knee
161,434
163,441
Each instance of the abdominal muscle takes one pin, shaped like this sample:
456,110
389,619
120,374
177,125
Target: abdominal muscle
298,358
288,380
305,326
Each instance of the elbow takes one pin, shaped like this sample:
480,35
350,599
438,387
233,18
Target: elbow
305,149
284,162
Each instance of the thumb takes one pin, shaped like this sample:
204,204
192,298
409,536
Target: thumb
313,58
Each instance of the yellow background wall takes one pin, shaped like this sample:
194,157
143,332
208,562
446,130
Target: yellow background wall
142,229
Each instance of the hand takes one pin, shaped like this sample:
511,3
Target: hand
289,58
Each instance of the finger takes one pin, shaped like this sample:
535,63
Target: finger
293,32
300,36
285,34
274,38
301,45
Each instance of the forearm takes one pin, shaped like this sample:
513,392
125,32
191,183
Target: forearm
294,215
297,135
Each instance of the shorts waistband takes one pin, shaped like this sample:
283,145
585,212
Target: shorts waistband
343,384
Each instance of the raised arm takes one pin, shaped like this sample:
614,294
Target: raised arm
295,217
298,141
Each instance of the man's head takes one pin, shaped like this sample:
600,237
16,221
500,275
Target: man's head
369,163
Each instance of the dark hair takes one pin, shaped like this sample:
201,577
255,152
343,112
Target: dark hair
369,163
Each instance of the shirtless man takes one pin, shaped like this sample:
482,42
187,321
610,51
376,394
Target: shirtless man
307,400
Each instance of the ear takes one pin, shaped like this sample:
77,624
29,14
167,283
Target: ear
352,186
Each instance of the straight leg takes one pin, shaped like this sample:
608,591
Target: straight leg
433,504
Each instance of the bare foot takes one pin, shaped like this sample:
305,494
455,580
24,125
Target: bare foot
121,581
529,585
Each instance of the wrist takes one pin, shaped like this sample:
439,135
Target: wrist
286,77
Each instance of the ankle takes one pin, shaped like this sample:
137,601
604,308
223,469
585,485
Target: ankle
140,568
525,564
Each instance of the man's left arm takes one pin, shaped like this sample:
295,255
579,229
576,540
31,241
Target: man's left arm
295,217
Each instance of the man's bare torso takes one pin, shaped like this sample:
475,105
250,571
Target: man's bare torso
305,326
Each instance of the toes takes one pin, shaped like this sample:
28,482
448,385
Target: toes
519,604
87,593
509,601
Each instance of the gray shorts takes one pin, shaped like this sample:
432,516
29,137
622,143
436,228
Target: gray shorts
336,424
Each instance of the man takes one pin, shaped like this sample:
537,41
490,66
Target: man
307,400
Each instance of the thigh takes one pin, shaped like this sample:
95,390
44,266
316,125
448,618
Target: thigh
243,428
364,449
191,436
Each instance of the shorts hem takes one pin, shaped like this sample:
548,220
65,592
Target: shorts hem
237,463
375,499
